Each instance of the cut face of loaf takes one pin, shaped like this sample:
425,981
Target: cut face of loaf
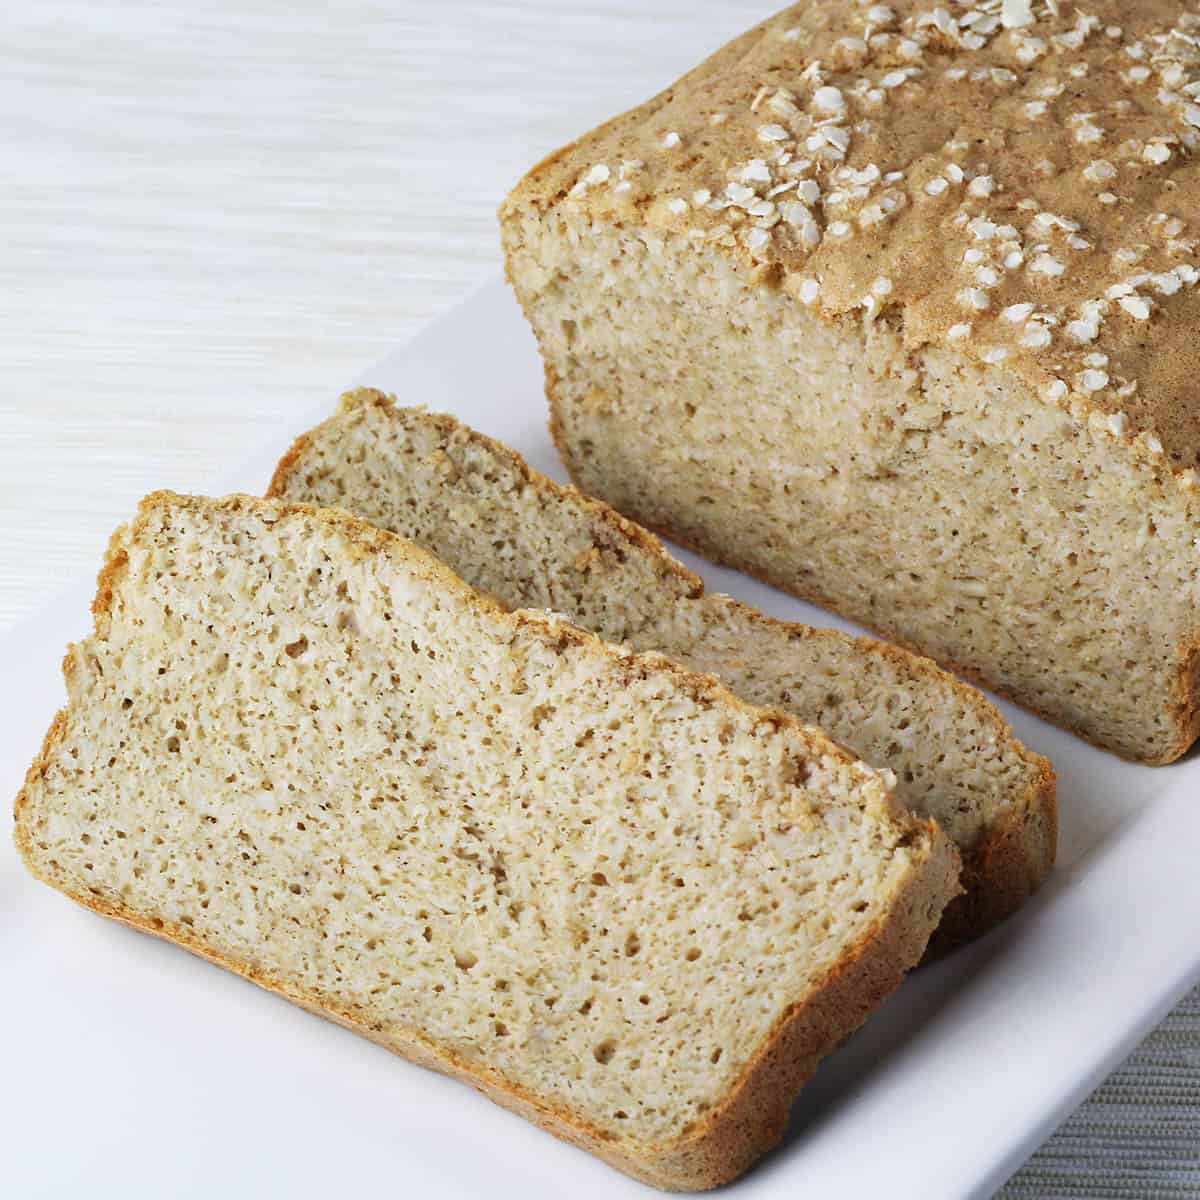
903,320
533,544
598,887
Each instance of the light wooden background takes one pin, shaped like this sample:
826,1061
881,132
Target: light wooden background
213,213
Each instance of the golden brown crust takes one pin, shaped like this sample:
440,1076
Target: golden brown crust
1185,711
751,1118
1005,868
37,771
545,184
1072,136
287,464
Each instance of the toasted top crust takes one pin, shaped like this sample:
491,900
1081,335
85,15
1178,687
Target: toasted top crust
1017,177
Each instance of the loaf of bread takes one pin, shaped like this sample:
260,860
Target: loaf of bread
895,306
528,542
596,886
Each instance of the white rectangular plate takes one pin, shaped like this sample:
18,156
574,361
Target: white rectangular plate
133,1069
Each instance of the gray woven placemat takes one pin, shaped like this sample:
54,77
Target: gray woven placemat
1138,1134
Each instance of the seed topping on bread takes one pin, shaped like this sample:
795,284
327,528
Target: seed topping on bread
1017,176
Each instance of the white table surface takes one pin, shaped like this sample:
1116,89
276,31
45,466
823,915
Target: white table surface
212,214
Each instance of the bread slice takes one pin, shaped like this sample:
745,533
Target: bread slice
598,887
896,309
531,543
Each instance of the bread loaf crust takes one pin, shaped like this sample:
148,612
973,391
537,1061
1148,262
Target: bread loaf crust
751,1117
951,87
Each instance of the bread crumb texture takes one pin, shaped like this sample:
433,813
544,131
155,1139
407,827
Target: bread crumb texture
597,886
911,292
531,543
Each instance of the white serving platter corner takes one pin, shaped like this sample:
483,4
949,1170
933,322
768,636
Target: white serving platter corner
132,1069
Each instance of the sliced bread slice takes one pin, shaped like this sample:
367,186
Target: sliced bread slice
595,885
532,543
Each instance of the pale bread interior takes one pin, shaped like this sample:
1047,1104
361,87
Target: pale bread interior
305,748
530,543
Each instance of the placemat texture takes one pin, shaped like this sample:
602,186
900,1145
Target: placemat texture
1138,1135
